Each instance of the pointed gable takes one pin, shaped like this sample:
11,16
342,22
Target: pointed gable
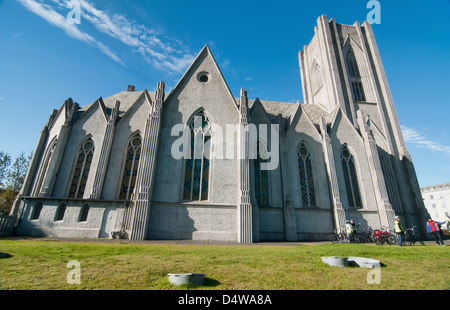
203,86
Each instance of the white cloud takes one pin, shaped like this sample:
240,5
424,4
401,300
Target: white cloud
148,42
415,138
54,18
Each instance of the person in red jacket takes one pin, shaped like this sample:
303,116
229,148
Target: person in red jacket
433,228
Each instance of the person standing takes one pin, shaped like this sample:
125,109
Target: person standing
398,228
433,228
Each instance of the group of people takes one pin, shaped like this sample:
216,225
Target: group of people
432,228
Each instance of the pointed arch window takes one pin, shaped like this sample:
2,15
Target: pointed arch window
306,176
352,64
84,212
351,178
44,168
82,168
197,169
59,216
316,75
355,77
36,211
261,177
130,169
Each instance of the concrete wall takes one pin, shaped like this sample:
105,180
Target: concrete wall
192,222
103,217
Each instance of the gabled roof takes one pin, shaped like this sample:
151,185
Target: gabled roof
207,53
127,100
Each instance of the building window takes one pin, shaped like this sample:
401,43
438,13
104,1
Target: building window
351,178
431,197
81,172
60,212
316,77
130,170
358,91
44,169
352,65
355,77
84,212
36,211
196,180
203,77
306,176
261,180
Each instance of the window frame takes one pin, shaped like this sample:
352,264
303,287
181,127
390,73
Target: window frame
86,153
60,213
199,135
350,180
37,210
137,150
83,216
310,202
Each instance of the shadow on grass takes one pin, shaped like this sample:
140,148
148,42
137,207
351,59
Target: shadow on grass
211,282
4,255
206,283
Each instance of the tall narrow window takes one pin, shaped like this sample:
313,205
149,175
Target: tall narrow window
130,169
351,179
44,169
355,77
196,179
306,176
84,212
81,172
261,180
59,216
352,64
36,211
316,77
358,91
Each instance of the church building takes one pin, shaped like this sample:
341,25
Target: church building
199,164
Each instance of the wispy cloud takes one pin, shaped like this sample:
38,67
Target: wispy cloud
417,139
149,43
54,18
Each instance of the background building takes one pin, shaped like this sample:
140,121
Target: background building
437,201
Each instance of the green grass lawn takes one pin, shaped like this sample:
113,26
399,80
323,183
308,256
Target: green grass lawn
42,264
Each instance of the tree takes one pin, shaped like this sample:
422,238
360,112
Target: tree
5,161
11,179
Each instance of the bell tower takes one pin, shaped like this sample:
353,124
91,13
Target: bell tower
341,68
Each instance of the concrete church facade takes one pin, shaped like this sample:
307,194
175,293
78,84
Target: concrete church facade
108,169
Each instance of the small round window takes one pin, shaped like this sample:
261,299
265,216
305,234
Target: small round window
203,77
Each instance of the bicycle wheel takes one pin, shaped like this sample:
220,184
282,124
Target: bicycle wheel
335,238
407,240
379,241
392,239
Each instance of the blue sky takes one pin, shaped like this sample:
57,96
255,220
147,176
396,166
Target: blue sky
44,60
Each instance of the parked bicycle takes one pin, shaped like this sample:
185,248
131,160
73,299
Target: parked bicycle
343,237
339,237
381,236
411,237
